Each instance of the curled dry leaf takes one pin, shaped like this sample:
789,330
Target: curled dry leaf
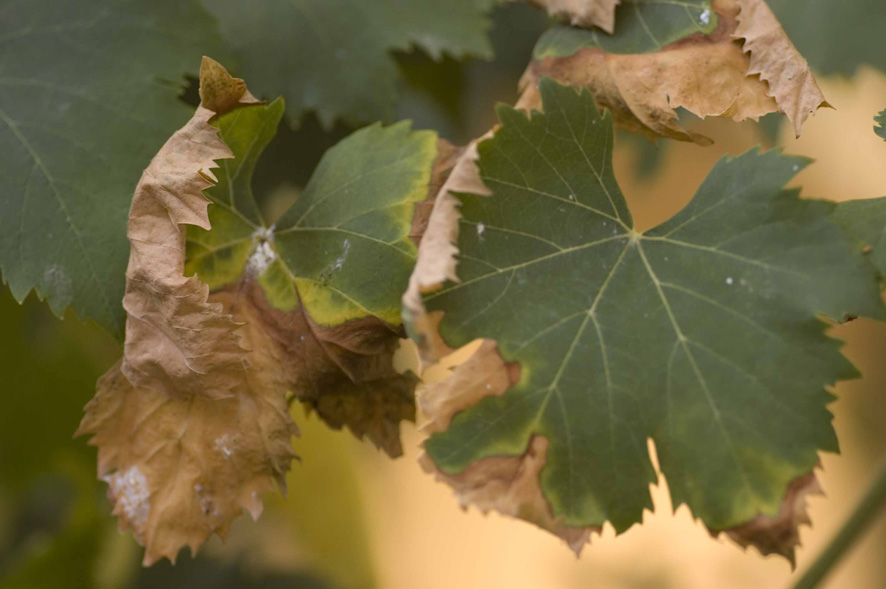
226,325
744,69
193,424
778,63
582,13
178,343
436,256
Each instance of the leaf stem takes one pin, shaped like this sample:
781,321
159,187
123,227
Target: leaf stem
862,517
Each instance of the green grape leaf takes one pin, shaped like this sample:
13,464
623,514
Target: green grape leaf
641,26
666,55
854,31
699,334
334,56
864,222
88,93
880,128
231,314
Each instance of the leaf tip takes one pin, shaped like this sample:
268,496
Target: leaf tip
221,92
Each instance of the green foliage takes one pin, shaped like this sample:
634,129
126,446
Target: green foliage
343,250
700,333
334,56
87,96
864,221
835,36
641,26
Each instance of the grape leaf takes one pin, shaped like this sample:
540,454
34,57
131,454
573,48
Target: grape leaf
334,56
193,424
644,26
880,127
699,334
87,95
854,31
707,74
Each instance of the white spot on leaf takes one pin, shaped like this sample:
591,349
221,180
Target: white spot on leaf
263,254
130,492
339,261
223,445
705,17
729,280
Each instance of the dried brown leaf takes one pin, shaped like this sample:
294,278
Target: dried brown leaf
178,343
778,63
708,75
179,470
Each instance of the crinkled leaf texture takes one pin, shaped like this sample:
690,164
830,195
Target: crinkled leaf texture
700,334
193,424
334,56
88,93
726,58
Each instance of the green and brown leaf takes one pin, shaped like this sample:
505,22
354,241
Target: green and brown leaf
229,313
701,334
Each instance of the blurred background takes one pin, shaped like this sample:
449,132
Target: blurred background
355,519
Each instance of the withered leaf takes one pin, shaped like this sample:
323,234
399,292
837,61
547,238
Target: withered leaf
743,69
229,315
700,334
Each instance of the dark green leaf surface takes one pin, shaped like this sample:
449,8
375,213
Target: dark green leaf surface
641,26
835,36
87,96
343,250
864,221
700,334
334,56
880,128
